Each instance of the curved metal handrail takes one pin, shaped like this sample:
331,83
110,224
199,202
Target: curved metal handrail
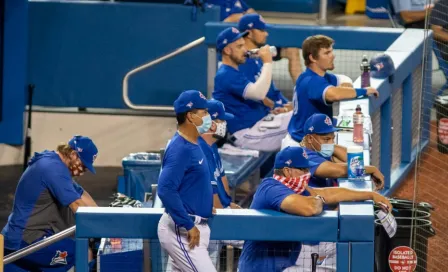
126,99
38,245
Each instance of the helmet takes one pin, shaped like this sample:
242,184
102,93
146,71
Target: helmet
381,66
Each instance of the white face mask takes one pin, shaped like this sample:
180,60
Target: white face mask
221,129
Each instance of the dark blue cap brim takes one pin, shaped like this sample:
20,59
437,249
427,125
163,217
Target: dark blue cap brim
88,165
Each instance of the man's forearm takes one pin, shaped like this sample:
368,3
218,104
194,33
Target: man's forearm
86,198
440,33
340,152
336,195
410,16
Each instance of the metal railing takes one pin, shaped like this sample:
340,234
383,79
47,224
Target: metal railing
126,99
34,247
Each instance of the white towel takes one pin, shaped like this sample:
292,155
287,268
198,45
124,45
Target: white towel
232,150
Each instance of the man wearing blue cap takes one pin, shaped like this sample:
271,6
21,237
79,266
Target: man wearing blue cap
221,197
316,89
185,190
329,159
253,126
45,201
232,10
288,191
255,25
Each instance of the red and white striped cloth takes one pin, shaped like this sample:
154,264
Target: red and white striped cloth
298,185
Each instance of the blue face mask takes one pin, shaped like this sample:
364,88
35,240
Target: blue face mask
326,150
206,124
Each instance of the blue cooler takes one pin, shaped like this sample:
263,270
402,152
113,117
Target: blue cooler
141,170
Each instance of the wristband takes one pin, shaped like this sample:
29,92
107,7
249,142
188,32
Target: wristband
361,92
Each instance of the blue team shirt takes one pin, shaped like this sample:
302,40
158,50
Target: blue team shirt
216,171
309,98
184,182
44,187
230,86
229,7
267,256
317,160
252,70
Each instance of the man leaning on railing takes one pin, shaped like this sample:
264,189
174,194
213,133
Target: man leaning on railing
288,191
45,201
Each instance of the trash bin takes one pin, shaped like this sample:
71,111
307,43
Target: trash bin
441,105
141,170
409,217
421,230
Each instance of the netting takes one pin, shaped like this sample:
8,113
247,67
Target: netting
117,254
426,227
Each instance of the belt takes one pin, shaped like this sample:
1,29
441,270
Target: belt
202,221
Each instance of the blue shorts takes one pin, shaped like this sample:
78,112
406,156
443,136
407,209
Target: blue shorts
59,256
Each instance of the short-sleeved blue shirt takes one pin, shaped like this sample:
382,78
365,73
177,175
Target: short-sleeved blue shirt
308,99
269,256
317,160
230,87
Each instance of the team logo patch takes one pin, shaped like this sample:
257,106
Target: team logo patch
261,19
215,114
250,25
94,157
379,66
202,96
288,162
79,149
190,105
311,129
59,258
234,30
305,155
238,4
328,121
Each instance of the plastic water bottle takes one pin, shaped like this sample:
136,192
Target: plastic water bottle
355,163
365,75
253,53
358,125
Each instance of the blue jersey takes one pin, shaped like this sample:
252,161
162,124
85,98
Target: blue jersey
230,86
309,98
184,182
252,70
269,256
43,191
229,7
216,171
317,160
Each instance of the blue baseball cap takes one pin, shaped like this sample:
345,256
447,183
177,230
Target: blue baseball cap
293,157
190,100
228,36
251,21
217,111
319,123
86,150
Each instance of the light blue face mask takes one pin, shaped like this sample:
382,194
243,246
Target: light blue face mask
206,124
326,150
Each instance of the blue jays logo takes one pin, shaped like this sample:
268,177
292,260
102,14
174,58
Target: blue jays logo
379,66
261,19
328,121
288,162
202,96
59,258
250,25
234,30
215,114
238,4
79,149
311,129
305,155
190,105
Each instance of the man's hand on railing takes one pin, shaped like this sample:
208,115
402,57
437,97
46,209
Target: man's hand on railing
194,236
373,91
